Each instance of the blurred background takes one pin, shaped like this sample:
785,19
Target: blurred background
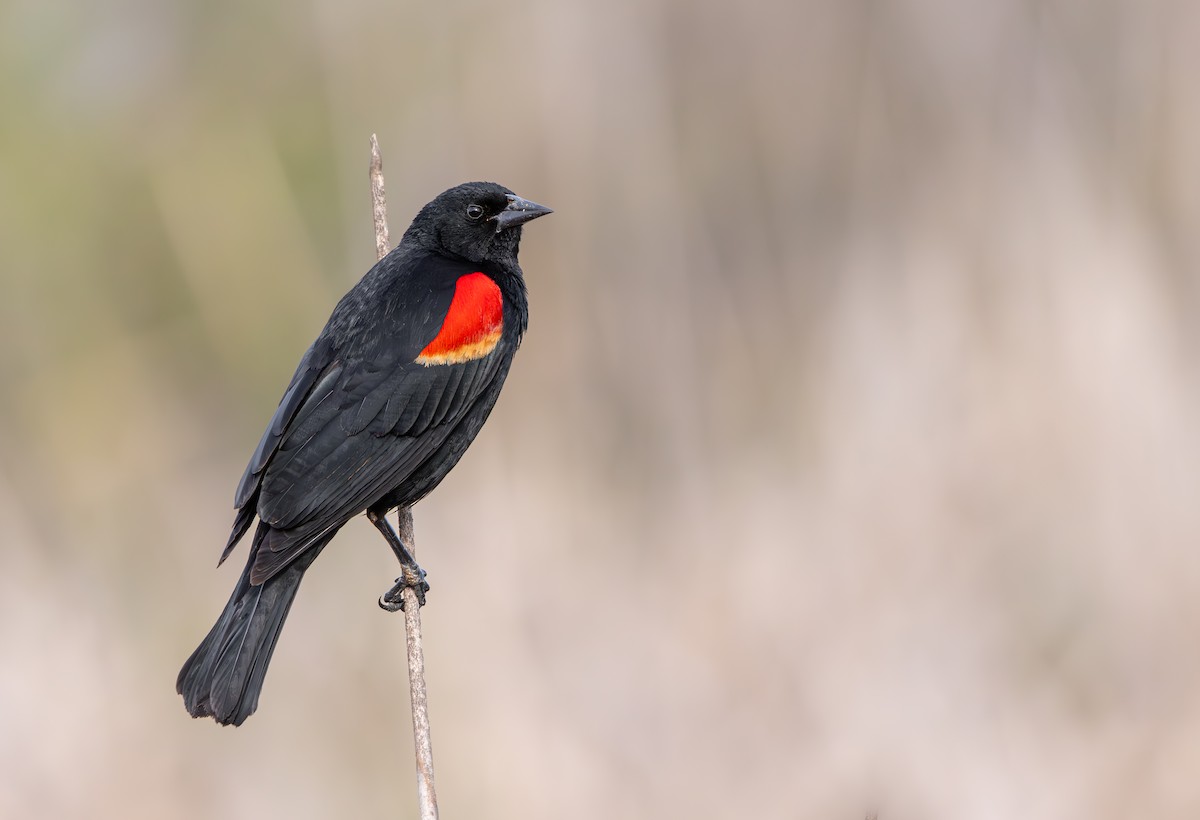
850,464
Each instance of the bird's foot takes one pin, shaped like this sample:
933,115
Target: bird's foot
412,577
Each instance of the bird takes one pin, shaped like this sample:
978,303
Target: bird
381,407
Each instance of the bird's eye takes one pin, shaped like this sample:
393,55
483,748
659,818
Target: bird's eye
474,212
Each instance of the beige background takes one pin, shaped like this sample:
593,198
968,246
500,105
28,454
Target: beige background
850,464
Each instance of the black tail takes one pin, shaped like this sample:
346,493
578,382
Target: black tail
223,677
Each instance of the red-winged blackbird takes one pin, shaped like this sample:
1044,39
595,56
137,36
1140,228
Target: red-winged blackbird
382,406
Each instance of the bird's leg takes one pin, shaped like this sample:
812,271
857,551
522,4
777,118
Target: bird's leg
411,575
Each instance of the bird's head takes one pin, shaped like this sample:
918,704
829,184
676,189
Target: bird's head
476,221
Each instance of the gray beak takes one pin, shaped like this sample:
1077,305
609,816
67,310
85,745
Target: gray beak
518,212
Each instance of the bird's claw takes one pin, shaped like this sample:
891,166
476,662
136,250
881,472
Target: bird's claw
413,578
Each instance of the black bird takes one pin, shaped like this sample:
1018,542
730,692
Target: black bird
380,409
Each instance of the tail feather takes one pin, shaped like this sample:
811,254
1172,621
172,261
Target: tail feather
224,676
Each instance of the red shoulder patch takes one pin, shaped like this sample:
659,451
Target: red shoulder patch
472,325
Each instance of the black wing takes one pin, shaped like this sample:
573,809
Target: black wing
360,443
357,421
316,363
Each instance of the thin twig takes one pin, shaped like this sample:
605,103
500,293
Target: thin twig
426,794
378,200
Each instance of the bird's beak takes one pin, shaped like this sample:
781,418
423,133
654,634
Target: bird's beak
518,212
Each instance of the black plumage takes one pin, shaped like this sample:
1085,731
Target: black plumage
371,419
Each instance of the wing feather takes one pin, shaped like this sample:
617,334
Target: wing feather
358,420
316,362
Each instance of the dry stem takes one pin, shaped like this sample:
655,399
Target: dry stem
426,794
